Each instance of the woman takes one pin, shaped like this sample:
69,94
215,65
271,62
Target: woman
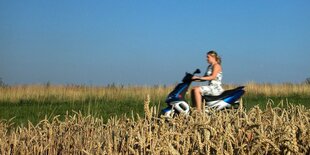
213,75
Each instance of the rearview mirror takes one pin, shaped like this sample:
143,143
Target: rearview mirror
197,71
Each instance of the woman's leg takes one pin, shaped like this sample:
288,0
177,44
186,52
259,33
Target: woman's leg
196,96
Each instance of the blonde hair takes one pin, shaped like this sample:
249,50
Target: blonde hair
217,57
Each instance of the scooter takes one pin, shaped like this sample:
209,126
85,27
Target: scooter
177,104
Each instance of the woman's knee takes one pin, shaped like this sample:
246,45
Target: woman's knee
196,89
193,89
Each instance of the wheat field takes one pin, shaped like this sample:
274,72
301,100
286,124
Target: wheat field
272,131
80,93
279,128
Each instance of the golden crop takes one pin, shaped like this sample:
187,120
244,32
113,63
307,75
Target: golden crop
282,129
279,130
80,93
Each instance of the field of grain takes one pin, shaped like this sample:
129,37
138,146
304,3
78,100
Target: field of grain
81,93
271,131
280,127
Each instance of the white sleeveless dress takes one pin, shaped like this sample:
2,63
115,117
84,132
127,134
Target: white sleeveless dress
214,87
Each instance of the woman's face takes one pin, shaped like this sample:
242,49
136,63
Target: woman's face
210,59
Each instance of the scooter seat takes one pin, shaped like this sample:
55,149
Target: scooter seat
226,93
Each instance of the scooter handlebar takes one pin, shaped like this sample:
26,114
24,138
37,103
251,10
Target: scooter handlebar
188,76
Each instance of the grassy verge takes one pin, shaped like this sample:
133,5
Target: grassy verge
34,111
262,100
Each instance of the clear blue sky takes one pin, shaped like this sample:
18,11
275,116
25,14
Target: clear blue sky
147,42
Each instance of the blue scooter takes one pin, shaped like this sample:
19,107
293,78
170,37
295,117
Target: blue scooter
177,104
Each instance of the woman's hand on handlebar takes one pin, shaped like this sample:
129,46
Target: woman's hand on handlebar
197,78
